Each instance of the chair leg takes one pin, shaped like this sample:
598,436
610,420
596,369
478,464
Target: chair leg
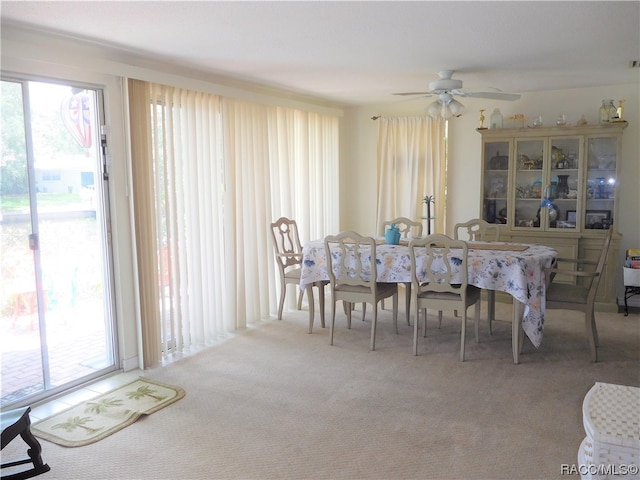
440,317
20,421
320,286
349,316
312,312
364,310
491,307
590,324
595,329
300,295
395,312
373,327
477,320
424,331
407,295
35,452
333,321
424,328
416,323
283,291
463,334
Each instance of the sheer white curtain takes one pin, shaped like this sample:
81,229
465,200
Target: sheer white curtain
210,174
411,165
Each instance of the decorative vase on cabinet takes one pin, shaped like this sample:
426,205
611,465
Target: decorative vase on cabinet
562,190
496,181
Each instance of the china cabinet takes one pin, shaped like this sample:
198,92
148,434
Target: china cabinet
555,186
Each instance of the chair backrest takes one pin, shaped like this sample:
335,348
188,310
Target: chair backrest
407,227
593,288
351,260
476,230
286,242
434,260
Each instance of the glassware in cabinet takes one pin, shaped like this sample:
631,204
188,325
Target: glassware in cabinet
601,182
530,184
495,181
565,164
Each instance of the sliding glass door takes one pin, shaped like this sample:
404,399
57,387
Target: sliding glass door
56,324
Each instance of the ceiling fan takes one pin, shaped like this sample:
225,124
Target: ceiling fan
445,88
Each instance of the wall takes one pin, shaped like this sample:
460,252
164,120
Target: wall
358,154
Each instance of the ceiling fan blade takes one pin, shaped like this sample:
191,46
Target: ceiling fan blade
413,93
492,95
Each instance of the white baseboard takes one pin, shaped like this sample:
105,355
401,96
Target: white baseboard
129,364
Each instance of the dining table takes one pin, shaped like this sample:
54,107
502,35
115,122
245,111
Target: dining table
515,268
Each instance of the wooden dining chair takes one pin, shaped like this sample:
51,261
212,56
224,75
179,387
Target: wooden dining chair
433,285
351,265
408,229
477,230
16,423
288,253
580,296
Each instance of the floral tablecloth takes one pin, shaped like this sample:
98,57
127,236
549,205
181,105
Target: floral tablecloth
518,273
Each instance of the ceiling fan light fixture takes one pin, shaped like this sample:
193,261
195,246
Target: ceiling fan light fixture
445,107
446,111
456,108
433,110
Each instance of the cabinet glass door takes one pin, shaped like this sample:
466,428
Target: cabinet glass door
564,182
496,182
601,182
529,184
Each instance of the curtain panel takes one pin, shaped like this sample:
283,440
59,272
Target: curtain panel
411,165
210,174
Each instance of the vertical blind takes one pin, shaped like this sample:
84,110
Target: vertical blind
209,176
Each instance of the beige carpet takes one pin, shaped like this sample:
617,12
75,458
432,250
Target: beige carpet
106,414
278,403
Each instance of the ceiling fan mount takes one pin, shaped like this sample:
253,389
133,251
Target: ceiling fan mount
446,83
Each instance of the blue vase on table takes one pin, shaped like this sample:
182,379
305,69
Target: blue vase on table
392,235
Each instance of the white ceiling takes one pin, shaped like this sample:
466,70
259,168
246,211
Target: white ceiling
362,52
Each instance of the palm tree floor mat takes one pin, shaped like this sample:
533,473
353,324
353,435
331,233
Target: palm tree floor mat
104,415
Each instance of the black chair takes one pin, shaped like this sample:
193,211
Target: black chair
17,422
